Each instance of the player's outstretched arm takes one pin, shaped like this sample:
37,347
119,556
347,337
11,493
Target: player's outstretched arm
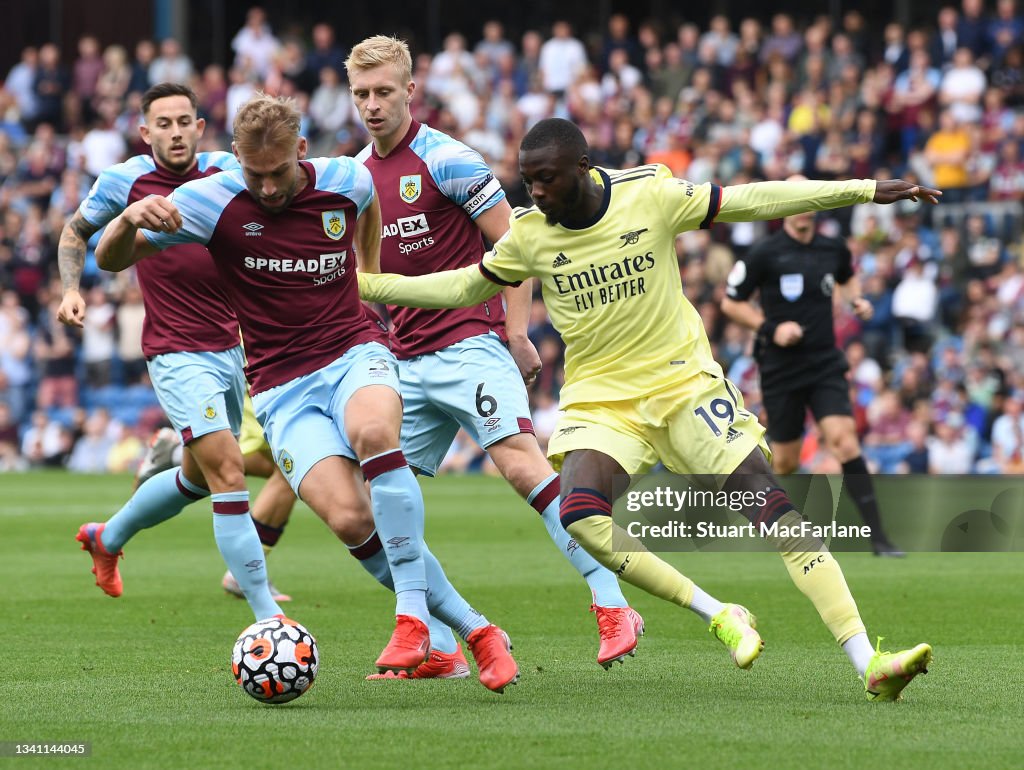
774,200
74,239
449,288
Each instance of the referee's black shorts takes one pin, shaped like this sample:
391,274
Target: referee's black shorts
786,406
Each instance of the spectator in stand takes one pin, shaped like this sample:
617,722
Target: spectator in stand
325,53
130,316
722,40
913,92
330,110
1008,76
917,458
622,78
50,88
31,255
116,76
20,83
450,69
91,450
945,40
98,339
962,87
45,443
145,55
885,444
85,74
254,44
104,145
10,454
15,356
947,152
562,59
949,451
172,65
914,303
212,92
126,452
984,250
242,88
55,353
1008,436
494,48
972,28
783,40
1007,182
1005,30
619,38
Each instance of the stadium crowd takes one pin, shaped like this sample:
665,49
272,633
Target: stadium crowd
936,375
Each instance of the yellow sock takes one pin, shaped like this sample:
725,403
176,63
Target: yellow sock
818,576
629,560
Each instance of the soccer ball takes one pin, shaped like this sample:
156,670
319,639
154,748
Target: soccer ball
275,660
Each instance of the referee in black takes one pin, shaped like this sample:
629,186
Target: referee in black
796,271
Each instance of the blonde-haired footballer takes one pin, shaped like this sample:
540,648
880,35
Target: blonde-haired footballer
641,383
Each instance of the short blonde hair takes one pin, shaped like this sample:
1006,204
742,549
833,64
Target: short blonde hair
381,49
266,121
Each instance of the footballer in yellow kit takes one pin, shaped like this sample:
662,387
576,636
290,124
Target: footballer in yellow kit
641,384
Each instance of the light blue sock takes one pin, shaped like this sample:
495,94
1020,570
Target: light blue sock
441,637
240,547
398,513
160,498
603,584
448,610
447,603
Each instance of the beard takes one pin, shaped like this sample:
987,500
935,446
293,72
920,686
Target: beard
572,200
177,167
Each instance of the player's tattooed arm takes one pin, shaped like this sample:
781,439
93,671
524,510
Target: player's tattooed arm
74,239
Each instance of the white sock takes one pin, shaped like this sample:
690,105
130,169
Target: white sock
859,650
705,605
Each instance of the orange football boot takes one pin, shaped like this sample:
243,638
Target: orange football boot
104,563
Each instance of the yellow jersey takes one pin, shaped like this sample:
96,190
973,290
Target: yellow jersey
612,288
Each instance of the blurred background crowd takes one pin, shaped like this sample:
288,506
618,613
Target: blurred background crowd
937,375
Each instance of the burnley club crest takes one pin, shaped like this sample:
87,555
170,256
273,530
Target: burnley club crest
409,188
334,224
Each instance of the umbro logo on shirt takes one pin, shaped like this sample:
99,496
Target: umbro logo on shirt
631,237
561,260
253,228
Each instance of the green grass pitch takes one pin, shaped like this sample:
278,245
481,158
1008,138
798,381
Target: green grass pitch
145,677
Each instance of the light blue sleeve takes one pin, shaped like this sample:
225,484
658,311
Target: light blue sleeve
459,172
109,194
200,203
345,176
224,161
